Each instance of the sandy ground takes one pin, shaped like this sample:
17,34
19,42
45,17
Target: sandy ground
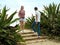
47,42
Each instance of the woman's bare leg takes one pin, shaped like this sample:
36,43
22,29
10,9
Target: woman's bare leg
21,27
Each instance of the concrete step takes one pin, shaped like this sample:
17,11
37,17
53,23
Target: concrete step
29,34
26,31
33,38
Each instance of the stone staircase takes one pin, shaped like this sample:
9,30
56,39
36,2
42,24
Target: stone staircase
31,37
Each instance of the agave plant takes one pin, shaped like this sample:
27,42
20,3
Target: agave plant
4,22
52,18
8,34
29,22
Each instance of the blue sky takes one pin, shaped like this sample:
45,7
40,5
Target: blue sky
28,5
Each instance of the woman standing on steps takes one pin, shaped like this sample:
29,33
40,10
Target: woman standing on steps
21,15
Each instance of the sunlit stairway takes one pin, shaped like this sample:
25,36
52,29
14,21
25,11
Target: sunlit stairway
31,37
